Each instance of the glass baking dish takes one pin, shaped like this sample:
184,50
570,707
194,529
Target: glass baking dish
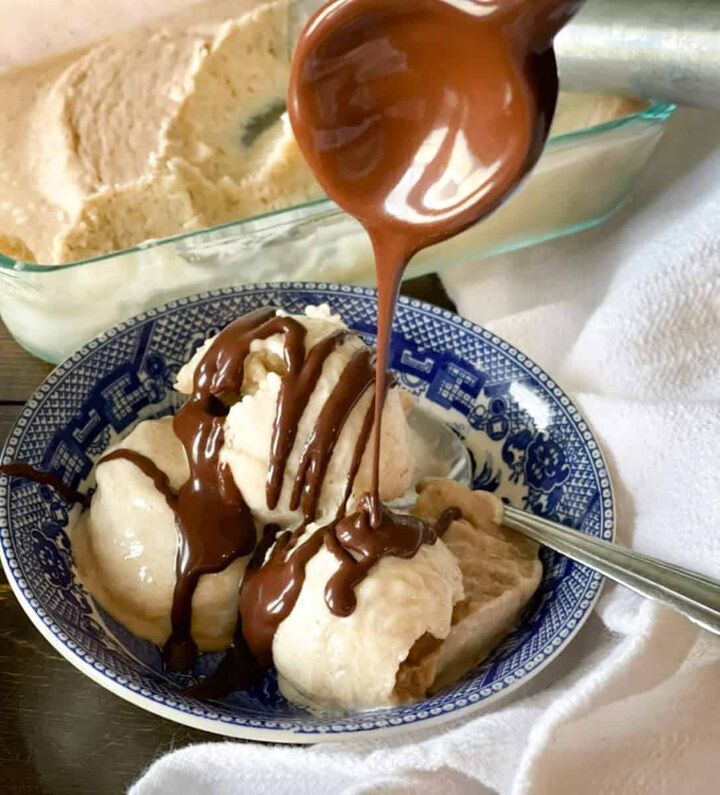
580,180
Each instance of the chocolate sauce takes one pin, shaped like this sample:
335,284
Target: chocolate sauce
359,544
149,468
269,592
355,379
295,390
19,470
419,117
268,595
447,517
239,669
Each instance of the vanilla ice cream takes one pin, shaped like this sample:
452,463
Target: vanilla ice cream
248,428
160,130
125,545
330,662
501,571
420,623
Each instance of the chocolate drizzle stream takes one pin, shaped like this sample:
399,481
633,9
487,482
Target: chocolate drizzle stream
19,470
419,117
297,386
359,544
354,380
149,468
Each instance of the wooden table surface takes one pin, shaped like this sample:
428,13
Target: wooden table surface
59,731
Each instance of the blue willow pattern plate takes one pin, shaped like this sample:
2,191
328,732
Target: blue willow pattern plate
528,442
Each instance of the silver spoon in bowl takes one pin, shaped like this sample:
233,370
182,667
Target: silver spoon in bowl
694,595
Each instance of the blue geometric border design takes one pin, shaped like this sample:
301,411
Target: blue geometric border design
546,461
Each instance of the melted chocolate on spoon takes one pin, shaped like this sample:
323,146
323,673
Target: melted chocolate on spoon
419,117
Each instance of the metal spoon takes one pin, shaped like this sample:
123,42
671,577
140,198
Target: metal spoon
695,596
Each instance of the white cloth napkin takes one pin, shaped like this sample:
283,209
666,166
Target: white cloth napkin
627,318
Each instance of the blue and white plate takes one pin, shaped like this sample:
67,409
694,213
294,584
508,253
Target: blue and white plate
529,445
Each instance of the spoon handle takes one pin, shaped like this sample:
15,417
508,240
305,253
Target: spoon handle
694,595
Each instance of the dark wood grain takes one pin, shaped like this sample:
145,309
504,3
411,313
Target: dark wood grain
20,373
59,732
8,413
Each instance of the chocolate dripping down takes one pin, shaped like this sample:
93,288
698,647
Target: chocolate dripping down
214,524
17,469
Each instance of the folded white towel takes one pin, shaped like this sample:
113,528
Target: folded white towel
627,318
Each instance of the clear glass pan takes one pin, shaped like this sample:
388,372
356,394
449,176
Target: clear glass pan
580,180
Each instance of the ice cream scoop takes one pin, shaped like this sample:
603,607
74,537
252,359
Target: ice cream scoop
249,424
124,547
419,623
181,502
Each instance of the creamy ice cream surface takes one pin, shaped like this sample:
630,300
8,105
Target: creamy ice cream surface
124,547
331,662
419,623
160,130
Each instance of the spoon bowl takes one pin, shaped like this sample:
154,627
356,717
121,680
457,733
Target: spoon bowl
419,118
438,452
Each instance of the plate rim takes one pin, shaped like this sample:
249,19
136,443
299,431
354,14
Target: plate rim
284,735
